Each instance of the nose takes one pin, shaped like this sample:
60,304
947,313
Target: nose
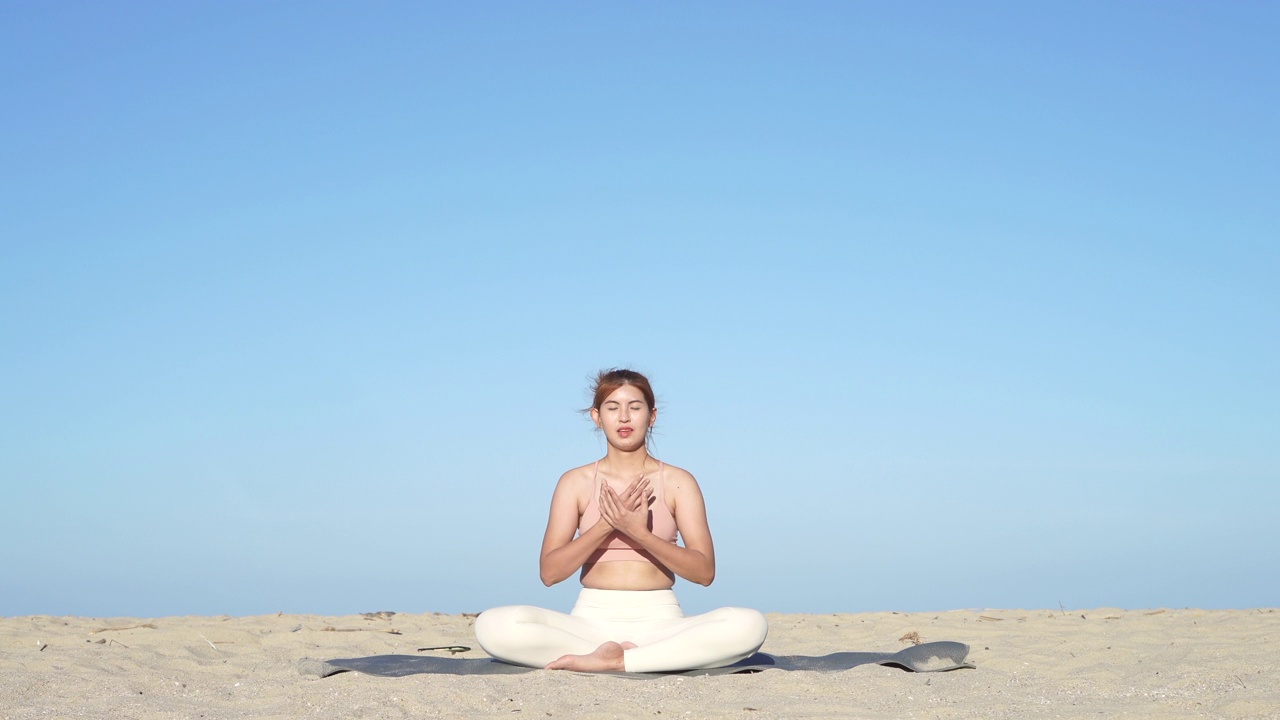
624,414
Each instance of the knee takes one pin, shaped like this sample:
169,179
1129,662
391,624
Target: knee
494,624
750,625
484,627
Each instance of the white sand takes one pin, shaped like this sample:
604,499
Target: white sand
1031,664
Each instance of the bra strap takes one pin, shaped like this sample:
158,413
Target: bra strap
595,485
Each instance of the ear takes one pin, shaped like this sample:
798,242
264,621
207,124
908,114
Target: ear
595,416
653,416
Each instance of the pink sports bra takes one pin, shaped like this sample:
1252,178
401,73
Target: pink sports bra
618,546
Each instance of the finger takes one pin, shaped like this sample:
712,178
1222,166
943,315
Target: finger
638,489
614,509
632,489
615,504
608,510
608,495
616,501
626,498
638,500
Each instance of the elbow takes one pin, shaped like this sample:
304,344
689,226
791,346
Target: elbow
548,576
702,572
546,572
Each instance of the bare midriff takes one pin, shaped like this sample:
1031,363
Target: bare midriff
626,575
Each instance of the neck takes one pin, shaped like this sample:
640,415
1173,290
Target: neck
625,462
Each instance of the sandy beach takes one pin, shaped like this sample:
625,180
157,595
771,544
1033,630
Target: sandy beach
1156,663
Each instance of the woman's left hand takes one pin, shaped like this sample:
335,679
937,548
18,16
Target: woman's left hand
628,514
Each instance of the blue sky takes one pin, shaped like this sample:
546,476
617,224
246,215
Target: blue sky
947,304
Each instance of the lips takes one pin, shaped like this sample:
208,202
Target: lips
625,431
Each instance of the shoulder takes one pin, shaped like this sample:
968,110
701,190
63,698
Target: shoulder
677,480
573,492
576,480
675,472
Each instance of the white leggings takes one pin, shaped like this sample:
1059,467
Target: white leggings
652,619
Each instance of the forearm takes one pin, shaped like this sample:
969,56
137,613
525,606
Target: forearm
688,563
557,565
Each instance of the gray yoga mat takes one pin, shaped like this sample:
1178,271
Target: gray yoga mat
927,657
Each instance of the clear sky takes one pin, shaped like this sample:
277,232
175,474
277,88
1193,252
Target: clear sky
948,305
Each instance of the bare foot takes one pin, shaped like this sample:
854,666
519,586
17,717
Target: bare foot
605,658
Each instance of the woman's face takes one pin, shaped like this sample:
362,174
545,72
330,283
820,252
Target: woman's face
625,417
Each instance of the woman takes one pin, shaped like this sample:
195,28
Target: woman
616,520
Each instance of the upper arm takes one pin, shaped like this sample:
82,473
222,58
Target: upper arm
562,521
691,513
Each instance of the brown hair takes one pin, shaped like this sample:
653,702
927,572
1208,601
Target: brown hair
610,380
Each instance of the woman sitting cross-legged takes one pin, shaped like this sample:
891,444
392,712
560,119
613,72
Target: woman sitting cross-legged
617,520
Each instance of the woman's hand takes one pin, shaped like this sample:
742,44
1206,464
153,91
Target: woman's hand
627,512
